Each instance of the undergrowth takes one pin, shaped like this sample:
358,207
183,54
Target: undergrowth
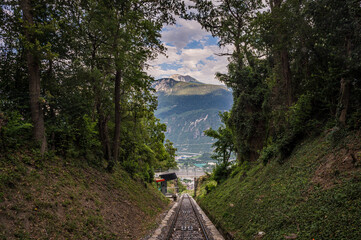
292,199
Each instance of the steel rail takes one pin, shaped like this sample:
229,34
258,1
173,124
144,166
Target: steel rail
169,235
199,220
171,230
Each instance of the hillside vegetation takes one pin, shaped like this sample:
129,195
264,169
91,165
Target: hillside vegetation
315,194
295,121
53,198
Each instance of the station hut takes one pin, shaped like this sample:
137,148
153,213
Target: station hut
164,179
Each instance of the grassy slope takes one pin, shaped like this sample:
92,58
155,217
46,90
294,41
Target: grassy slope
316,194
58,199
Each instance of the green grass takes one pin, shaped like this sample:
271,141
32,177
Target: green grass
281,200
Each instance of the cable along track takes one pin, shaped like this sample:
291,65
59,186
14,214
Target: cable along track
187,224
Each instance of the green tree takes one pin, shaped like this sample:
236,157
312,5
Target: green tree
223,146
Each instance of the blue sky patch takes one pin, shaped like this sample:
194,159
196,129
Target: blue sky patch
211,58
201,62
194,44
211,40
170,66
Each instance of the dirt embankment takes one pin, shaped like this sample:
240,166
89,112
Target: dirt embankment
59,199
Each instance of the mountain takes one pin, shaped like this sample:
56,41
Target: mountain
182,78
189,107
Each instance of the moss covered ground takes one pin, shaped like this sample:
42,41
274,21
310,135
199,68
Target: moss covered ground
315,194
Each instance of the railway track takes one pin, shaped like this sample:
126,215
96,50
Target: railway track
187,224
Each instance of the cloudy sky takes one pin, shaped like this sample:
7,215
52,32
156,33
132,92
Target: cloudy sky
190,51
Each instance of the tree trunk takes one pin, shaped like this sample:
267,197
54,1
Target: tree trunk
345,89
104,135
33,65
282,56
344,100
118,77
286,75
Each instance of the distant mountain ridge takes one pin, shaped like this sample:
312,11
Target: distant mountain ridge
189,107
182,78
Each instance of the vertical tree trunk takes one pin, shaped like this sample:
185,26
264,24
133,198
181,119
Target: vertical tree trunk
104,134
286,75
282,57
33,65
345,89
344,100
118,77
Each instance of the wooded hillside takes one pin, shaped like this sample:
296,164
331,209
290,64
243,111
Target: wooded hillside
295,71
73,81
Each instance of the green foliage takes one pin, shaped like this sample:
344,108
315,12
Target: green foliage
286,69
82,47
14,130
210,186
223,147
181,186
268,153
300,112
240,168
221,172
297,124
284,199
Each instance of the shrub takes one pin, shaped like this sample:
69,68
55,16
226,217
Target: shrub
14,130
268,153
298,121
299,113
210,186
243,167
220,172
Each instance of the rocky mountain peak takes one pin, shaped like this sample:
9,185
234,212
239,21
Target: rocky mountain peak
183,78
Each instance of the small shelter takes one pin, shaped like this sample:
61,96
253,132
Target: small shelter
166,177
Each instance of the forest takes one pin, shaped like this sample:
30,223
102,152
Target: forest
295,72
73,81
295,121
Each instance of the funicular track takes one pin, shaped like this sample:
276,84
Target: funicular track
187,223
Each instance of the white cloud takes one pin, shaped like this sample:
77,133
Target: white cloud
182,33
191,61
191,64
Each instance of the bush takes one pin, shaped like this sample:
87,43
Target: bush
210,186
220,172
14,130
268,153
298,121
286,145
299,113
243,167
